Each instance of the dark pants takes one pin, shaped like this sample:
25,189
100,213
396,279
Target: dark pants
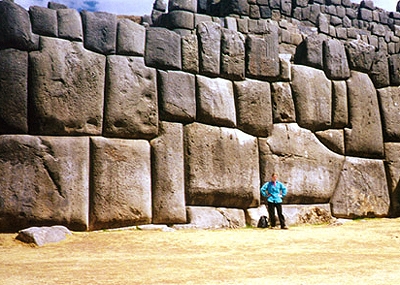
271,213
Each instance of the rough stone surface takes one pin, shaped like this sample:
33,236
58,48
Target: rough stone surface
307,214
362,190
332,139
130,38
310,52
335,60
48,180
232,55
389,99
394,69
69,24
254,110
121,178
312,93
215,101
206,218
309,169
364,138
360,55
221,167
254,214
380,70
13,91
67,86
209,37
177,96
131,108
44,21
340,113
168,183
236,217
43,235
190,53
392,166
283,108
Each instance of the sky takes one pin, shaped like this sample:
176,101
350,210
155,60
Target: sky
140,7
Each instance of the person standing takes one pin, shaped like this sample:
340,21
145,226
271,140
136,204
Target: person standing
273,191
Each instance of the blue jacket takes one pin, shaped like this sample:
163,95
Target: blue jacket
273,193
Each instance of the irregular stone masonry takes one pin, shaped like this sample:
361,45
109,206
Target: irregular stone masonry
178,118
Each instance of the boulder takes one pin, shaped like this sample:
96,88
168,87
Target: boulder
179,20
389,99
362,190
312,214
340,112
232,55
283,110
45,181
13,91
206,218
100,31
309,170
215,101
209,37
392,166
222,167
131,38
335,60
69,25
44,21
67,87
131,106
310,51
43,235
253,105
121,183
379,72
177,96
190,53
254,214
312,95
168,195
185,5
360,55
236,217
364,138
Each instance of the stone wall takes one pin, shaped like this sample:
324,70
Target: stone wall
179,117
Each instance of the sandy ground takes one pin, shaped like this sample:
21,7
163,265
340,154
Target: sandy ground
358,252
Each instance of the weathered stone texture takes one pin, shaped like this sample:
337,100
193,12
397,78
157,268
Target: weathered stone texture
340,113
121,183
335,60
69,24
44,21
209,36
232,55
362,190
392,166
380,70
254,110
190,53
221,167
131,106
360,55
332,139
43,235
312,95
305,165
44,181
364,138
310,52
215,218
130,38
394,69
168,183
67,86
389,99
177,96
283,109
215,101
307,214
13,91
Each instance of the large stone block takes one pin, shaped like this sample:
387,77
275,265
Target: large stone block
121,183
163,49
238,7
312,95
131,107
309,169
130,38
186,5
360,55
44,181
389,99
215,218
364,138
44,21
394,69
13,91
340,113
232,55
336,65
310,51
69,24
307,214
392,166
362,190
168,175
215,101
100,31
332,139
190,53
222,167
22,38
177,96
209,37
254,109
283,109
66,86
380,70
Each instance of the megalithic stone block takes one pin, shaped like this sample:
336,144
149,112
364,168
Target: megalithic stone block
209,36
44,21
69,24
232,55
335,60
131,38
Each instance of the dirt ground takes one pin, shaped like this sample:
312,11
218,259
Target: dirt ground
358,252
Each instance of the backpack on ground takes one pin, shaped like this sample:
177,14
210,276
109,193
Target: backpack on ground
262,222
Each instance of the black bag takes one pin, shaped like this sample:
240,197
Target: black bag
262,222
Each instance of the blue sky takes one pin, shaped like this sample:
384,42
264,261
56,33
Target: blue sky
140,7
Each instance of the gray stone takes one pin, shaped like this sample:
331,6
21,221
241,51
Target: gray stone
215,101
11,16
310,53
308,169
43,235
379,72
180,20
121,175
235,217
160,5
286,67
206,218
163,49
312,214
67,86
222,167
100,31
131,105
253,105
283,109
190,53
13,91
360,55
394,69
362,190
56,6
186,5
323,24
392,163
332,139
335,60
44,21
238,7
254,214
177,96
45,180
232,55
340,113
209,37
389,99
168,195
312,95
69,24
130,38
364,138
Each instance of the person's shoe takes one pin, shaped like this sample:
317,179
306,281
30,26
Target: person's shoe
284,228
